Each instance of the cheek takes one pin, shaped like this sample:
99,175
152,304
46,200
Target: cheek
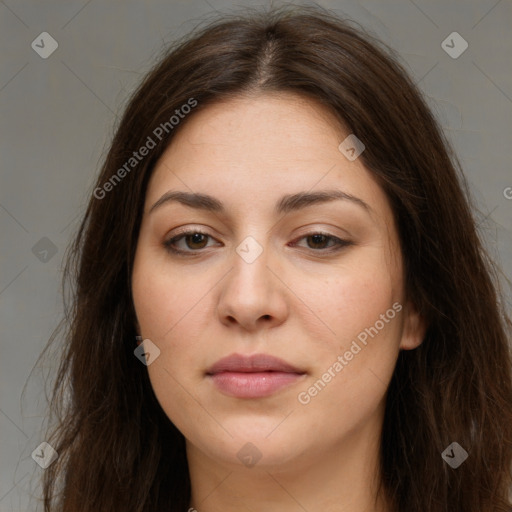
162,297
351,299
362,305
357,343
166,305
173,311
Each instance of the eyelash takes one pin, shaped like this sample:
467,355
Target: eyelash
168,244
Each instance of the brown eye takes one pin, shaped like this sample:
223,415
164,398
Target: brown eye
318,242
194,241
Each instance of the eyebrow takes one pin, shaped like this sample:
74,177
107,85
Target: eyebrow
286,204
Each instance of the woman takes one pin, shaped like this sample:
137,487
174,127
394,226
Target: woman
281,301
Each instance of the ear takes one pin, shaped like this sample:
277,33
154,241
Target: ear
414,328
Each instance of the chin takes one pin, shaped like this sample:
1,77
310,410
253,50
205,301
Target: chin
250,446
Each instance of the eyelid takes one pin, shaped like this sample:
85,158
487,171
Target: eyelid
339,243
180,234
336,247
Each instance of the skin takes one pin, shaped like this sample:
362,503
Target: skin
299,300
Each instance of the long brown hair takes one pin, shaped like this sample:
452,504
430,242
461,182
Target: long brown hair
117,448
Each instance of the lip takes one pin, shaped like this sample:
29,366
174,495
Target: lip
254,376
251,364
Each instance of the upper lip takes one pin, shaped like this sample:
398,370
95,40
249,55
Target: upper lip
253,363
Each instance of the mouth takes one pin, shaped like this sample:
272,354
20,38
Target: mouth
255,376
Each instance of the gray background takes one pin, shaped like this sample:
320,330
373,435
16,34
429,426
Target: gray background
56,118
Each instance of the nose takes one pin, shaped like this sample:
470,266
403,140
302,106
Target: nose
253,295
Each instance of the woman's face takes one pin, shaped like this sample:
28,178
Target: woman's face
316,283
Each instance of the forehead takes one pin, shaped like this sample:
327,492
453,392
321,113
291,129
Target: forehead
262,127
255,149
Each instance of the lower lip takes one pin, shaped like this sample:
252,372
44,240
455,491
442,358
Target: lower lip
253,385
